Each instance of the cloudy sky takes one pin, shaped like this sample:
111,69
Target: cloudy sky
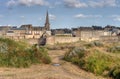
62,13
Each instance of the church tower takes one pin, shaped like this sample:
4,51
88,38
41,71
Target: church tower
47,24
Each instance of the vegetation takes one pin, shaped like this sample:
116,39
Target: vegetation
98,63
94,44
114,49
75,56
95,60
115,72
19,54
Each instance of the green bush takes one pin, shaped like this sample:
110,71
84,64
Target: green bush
97,60
75,56
91,60
44,55
20,55
79,62
94,44
114,49
96,64
115,72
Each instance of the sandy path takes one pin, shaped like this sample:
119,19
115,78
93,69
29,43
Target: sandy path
64,71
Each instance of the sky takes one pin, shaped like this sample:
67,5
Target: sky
62,13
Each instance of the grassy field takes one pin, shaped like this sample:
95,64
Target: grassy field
94,60
96,57
20,54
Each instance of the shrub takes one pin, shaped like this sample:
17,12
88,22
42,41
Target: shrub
114,49
115,72
20,55
75,56
45,58
93,44
79,62
94,61
96,64
76,52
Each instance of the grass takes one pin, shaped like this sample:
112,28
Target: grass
98,62
76,56
115,72
114,49
19,54
94,44
94,60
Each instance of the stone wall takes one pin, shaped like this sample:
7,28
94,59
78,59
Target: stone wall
96,35
55,40
109,38
32,41
51,40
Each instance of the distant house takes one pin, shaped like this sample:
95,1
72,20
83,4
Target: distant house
77,31
61,32
88,33
3,30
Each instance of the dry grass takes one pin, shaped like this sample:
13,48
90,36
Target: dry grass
64,71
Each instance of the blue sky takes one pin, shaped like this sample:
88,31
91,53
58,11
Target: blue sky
62,13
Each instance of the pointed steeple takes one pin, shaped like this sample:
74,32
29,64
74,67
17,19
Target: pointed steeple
47,18
47,24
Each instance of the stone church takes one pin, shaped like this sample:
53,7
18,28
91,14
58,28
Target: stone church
27,31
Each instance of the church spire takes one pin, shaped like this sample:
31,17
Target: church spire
47,24
47,18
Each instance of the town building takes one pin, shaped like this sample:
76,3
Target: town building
45,35
27,31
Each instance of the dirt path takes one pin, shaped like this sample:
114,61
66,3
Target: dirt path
53,71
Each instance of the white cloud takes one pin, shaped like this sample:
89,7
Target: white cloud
22,16
33,2
68,3
57,3
28,2
110,2
102,3
11,3
53,5
75,3
90,3
79,16
52,17
115,17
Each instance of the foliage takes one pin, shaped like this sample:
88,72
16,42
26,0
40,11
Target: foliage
94,44
20,55
75,56
95,61
115,72
114,49
98,63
